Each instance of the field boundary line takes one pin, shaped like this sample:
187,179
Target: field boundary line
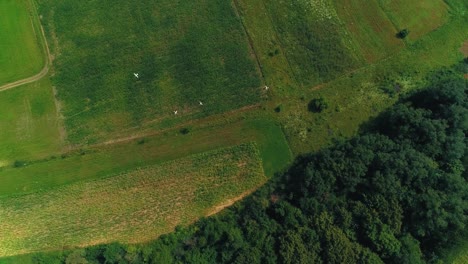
281,45
46,51
249,39
157,132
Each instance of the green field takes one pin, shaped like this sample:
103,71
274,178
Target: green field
184,52
132,207
420,17
28,123
20,41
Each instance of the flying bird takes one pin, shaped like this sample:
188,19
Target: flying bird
136,75
175,112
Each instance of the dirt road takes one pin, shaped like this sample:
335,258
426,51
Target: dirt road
31,79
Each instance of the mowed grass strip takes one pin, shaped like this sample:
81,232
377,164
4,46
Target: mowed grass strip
419,17
184,52
370,27
132,207
102,161
21,53
29,126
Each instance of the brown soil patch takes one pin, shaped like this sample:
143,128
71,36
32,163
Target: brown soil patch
228,203
464,48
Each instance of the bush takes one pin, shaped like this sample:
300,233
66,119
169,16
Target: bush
317,105
403,33
185,131
19,163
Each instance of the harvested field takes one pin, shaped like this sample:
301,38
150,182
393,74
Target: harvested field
370,27
131,207
419,17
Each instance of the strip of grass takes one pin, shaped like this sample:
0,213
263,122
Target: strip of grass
370,27
28,123
133,207
102,161
420,17
184,52
20,41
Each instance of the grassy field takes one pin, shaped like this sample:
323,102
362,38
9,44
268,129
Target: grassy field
355,98
318,48
101,161
20,41
359,94
28,123
370,27
132,207
420,17
184,52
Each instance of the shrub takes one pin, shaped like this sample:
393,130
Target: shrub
185,131
403,33
317,105
278,109
19,163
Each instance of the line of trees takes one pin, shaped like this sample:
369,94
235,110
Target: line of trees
397,193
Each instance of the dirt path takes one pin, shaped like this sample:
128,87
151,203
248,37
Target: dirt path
157,132
37,76
236,8
31,79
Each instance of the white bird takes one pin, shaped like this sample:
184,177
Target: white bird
136,75
266,87
200,102
175,112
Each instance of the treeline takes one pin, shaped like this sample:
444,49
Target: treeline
397,193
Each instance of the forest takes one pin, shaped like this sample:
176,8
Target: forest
395,193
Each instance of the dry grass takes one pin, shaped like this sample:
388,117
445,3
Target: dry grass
420,17
133,207
373,32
